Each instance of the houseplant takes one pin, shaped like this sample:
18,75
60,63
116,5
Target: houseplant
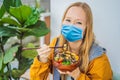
18,20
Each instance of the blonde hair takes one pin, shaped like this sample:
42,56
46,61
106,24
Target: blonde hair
88,36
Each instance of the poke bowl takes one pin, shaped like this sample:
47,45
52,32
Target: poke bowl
66,60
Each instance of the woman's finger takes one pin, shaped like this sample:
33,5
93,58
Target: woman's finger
61,72
44,52
43,48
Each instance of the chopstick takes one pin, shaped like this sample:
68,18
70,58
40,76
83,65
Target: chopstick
40,47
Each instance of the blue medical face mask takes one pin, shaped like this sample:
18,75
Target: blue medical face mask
72,33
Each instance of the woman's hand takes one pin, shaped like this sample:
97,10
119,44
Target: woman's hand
74,74
43,53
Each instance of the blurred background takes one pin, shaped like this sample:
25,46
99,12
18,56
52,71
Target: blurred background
106,16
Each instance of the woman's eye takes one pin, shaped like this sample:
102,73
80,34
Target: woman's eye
68,20
78,22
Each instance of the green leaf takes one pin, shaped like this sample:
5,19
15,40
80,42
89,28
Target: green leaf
1,24
19,29
2,69
10,21
9,55
41,10
23,66
4,39
7,4
1,60
21,13
0,78
17,3
2,11
33,18
25,63
39,29
5,31
17,73
13,3
30,53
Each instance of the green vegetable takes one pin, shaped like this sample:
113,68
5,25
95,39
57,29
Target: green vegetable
66,63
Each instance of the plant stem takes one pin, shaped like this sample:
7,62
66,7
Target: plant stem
21,37
3,51
21,46
9,70
1,46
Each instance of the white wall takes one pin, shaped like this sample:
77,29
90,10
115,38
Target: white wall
106,14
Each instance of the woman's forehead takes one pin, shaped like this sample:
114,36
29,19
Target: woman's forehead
76,13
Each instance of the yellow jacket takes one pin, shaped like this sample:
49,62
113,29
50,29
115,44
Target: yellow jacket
99,69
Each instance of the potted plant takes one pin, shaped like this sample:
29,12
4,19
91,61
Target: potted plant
18,20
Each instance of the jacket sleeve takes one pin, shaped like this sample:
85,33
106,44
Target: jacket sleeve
99,69
39,70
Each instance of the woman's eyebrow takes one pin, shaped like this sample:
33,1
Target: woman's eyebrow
75,19
80,20
68,17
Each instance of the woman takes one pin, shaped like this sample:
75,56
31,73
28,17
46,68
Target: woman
77,31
